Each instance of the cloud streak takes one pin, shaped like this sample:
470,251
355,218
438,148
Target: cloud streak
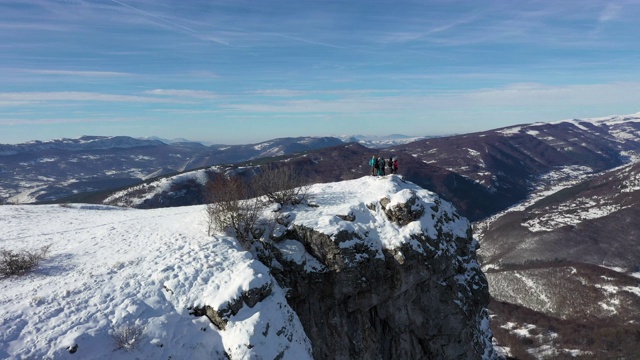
515,95
197,94
22,97
75,73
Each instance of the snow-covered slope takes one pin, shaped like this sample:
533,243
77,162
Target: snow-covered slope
111,268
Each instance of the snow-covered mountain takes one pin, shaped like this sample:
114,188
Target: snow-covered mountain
82,143
47,171
509,163
569,251
380,142
363,267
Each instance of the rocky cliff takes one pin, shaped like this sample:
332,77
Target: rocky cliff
378,268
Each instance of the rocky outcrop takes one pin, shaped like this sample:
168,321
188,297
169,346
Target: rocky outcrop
220,317
395,278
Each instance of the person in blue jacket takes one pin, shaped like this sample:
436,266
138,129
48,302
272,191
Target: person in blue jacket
374,165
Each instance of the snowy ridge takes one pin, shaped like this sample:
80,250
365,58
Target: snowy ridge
149,190
380,142
84,143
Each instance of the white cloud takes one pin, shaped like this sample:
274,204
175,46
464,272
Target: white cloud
611,12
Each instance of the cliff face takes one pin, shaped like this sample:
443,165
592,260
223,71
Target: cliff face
377,268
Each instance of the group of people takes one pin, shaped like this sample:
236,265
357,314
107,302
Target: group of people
381,166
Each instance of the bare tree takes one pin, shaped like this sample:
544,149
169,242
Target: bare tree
236,203
232,206
281,185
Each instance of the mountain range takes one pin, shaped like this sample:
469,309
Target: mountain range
46,171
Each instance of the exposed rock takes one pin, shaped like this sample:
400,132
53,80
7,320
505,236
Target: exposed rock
403,213
220,317
349,217
422,299
72,349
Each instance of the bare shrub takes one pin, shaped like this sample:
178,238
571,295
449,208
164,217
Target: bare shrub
127,337
281,185
233,202
231,207
21,262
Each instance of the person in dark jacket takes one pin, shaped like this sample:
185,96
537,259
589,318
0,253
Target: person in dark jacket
380,166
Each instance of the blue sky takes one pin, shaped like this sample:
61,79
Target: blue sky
245,71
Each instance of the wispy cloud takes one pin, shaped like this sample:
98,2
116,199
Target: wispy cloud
524,95
172,23
79,73
198,94
529,94
69,120
14,97
19,26
611,12
280,92
306,40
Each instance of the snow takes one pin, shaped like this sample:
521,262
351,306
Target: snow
109,268
26,196
121,198
632,289
276,151
294,250
473,152
263,145
547,184
570,214
373,227
510,130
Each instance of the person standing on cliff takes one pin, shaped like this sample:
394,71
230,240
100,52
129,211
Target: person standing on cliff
374,165
380,166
